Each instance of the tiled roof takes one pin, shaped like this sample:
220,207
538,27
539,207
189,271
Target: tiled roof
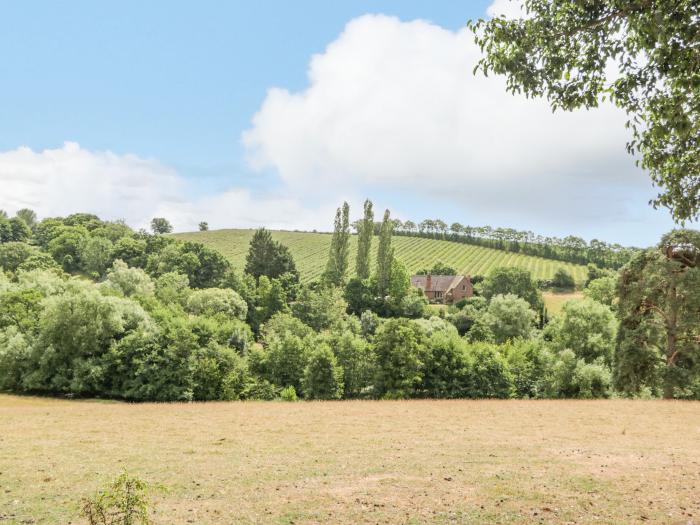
438,283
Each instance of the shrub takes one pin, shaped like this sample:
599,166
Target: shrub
323,376
124,501
288,394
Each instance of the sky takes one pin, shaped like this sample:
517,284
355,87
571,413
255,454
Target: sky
271,113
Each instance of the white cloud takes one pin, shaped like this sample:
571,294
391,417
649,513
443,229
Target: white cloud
66,180
394,105
507,8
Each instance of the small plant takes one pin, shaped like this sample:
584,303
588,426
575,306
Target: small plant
124,502
288,394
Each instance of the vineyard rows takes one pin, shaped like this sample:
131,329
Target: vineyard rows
310,251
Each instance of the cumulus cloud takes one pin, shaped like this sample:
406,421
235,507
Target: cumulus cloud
395,105
507,8
69,179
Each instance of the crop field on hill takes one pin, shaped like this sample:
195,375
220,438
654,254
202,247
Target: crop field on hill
348,462
310,251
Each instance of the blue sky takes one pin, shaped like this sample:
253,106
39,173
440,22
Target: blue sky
178,84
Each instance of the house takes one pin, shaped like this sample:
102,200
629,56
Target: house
445,289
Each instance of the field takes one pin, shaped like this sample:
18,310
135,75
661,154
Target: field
554,301
359,462
310,251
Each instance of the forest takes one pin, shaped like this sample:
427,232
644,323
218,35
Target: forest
93,308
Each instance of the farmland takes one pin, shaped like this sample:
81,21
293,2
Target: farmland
310,251
358,462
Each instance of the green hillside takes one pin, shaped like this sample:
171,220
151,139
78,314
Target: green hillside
310,251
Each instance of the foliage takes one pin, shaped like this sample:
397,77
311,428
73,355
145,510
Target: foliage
160,226
385,256
509,317
364,242
400,353
508,280
659,313
562,51
288,394
603,290
267,257
217,301
323,376
563,279
124,501
337,264
586,327
439,268
203,226
574,378
128,281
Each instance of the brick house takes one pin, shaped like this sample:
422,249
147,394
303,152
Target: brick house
445,289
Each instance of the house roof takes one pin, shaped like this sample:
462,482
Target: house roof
438,283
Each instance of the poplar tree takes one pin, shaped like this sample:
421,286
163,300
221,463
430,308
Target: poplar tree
385,255
337,264
364,241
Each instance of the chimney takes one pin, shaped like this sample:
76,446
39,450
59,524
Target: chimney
428,283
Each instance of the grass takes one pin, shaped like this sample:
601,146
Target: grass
310,251
555,301
359,462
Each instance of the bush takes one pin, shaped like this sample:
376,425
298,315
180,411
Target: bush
563,279
288,394
125,501
323,376
217,301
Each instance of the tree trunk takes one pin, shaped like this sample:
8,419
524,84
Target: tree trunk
671,338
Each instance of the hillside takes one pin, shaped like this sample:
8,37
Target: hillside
310,251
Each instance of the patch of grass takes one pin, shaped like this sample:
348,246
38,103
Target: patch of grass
310,251
518,461
555,301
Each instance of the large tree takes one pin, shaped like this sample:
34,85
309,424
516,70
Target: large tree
385,255
337,264
364,241
641,54
268,257
659,310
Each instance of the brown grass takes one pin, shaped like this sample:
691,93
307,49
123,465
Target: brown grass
555,301
359,462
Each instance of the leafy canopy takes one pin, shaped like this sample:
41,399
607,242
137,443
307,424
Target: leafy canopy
565,51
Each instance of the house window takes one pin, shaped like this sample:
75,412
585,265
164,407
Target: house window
464,287
438,294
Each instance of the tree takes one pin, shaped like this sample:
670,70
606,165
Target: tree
160,225
129,281
27,215
659,312
563,279
603,290
337,264
504,280
586,327
96,255
509,317
203,226
399,347
217,301
439,268
364,242
322,309
268,257
323,376
561,50
355,356
385,255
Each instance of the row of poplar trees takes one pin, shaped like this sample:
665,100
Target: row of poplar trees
338,257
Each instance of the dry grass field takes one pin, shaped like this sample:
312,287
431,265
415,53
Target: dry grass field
555,301
359,462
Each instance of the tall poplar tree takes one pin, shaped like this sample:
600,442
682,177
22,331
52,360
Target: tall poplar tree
364,241
385,255
337,264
